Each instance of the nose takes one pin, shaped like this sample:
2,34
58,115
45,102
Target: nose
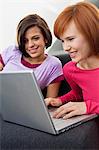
67,48
30,43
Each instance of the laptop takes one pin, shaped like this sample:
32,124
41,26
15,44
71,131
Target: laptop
23,103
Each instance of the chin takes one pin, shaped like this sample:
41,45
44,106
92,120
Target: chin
33,55
74,60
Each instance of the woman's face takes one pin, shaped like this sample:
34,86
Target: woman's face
34,42
76,44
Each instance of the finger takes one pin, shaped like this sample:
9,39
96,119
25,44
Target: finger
65,109
63,112
47,103
69,115
57,112
54,103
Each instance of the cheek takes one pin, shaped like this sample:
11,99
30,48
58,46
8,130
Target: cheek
42,43
78,44
26,45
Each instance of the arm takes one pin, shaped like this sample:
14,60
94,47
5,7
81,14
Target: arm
53,89
55,76
76,92
1,66
6,55
92,107
70,96
74,95
1,63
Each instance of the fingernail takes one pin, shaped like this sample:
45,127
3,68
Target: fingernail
64,117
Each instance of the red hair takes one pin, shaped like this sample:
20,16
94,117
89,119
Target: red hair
86,17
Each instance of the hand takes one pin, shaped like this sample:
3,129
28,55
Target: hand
70,109
53,101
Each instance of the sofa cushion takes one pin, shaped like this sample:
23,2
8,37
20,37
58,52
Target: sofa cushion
64,87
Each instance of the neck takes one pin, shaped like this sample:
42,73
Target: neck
90,63
35,60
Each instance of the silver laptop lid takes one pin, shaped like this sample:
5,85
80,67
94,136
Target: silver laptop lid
22,101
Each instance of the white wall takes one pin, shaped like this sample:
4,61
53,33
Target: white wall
12,11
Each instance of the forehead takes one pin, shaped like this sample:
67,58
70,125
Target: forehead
33,30
71,30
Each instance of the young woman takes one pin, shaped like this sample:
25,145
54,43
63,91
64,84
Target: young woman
78,29
33,36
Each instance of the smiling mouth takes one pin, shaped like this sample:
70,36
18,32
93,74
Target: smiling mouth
72,54
33,50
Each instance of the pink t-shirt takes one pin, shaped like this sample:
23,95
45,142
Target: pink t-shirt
84,85
45,73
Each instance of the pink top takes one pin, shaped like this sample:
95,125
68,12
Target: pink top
84,85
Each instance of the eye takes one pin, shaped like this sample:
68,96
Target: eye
70,39
62,41
36,38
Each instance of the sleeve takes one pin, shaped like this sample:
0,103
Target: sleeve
76,93
7,54
70,96
1,60
55,70
58,79
92,107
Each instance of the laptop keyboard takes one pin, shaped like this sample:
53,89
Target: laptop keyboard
71,122
57,122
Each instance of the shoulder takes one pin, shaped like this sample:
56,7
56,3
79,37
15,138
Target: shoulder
69,66
54,60
10,49
9,53
53,64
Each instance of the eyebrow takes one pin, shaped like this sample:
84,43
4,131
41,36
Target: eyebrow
68,37
33,36
71,36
